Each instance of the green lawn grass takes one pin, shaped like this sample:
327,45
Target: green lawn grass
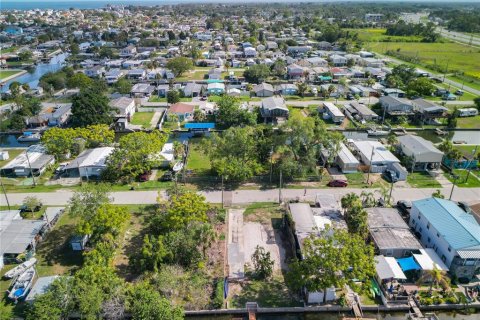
12,154
142,119
467,150
473,180
8,73
459,57
422,180
198,161
469,122
240,98
468,81
374,34
159,99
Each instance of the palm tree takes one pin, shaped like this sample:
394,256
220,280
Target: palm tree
368,199
302,88
392,139
349,200
454,155
435,277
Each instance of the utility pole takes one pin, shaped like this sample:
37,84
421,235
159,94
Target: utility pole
455,177
390,194
5,193
280,189
446,70
271,164
370,165
30,166
474,152
222,191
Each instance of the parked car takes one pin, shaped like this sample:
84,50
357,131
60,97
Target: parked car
350,96
167,176
449,97
338,183
404,206
25,208
459,93
203,98
390,176
145,176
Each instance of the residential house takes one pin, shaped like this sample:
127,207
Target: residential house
128,51
34,160
215,74
162,90
298,50
307,221
60,116
192,89
263,90
428,111
95,72
250,52
183,111
273,109
136,74
424,154
113,75
396,106
345,160
390,233
332,112
215,88
451,232
124,107
142,90
378,158
393,92
361,111
295,71
286,89
338,60
90,163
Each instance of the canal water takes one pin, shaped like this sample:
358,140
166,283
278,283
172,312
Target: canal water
335,316
55,64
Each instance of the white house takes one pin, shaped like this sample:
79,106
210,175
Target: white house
90,163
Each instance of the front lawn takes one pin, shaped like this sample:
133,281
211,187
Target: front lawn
422,180
469,122
12,153
473,180
142,119
198,161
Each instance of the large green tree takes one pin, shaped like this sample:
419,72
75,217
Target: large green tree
231,114
135,154
233,154
89,107
179,65
257,73
146,303
331,258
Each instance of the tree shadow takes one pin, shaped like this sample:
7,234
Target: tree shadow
55,249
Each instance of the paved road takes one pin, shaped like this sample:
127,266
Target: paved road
460,37
470,195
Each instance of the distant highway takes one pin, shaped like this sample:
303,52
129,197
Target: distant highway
459,37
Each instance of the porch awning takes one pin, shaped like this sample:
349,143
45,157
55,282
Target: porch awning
388,268
408,264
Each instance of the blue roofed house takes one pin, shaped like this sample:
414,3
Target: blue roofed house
216,88
453,233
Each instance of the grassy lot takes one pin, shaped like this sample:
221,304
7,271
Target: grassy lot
272,293
422,180
198,161
240,98
8,73
457,56
195,75
8,50
469,122
142,119
12,154
374,35
357,180
473,180
468,81
467,150
158,99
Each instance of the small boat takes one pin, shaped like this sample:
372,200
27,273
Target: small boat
18,270
440,132
22,285
178,166
377,133
459,142
29,136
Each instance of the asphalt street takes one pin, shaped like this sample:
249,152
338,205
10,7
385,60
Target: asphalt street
60,198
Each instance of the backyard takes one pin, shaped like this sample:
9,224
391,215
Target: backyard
7,73
142,119
198,161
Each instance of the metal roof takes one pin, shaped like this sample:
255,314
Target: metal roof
458,228
91,157
18,234
387,268
418,145
380,154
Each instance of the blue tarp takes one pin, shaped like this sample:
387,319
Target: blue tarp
199,125
408,264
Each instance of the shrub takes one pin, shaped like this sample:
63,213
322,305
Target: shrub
218,294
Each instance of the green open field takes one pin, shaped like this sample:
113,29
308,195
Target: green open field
435,55
469,122
7,73
373,35
142,118
422,180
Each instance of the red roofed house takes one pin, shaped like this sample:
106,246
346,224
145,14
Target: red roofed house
182,110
